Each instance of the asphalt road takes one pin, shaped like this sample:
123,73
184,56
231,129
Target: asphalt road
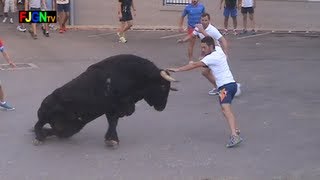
278,111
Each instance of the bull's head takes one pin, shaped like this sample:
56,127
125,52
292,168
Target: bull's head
158,91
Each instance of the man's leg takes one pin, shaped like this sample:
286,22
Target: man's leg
234,14
226,19
121,28
226,95
253,24
33,31
60,18
192,42
235,24
5,11
229,115
66,17
45,29
226,14
244,21
1,95
127,26
235,139
3,104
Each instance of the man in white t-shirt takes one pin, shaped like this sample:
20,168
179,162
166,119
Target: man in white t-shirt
248,6
206,29
216,60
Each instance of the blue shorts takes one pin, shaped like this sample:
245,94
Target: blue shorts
1,48
230,12
227,92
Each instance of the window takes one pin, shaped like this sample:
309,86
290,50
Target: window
176,2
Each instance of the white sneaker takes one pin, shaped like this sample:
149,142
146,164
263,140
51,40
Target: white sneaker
52,27
122,39
11,20
238,93
21,29
213,92
4,19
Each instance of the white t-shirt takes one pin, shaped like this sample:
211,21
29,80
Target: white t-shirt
62,1
218,64
247,3
35,3
212,31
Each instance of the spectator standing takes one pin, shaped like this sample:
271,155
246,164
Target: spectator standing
230,9
9,6
194,12
63,7
247,7
3,104
125,18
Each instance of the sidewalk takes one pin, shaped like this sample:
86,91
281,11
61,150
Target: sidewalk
269,15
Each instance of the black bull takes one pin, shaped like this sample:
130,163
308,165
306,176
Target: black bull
110,87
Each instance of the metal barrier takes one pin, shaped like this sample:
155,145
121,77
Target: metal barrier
176,2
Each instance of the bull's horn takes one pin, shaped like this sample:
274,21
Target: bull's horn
167,77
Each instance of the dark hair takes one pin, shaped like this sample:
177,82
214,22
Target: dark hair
206,14
208,40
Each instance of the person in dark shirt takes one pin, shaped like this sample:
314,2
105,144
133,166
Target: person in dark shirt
125,17
230,9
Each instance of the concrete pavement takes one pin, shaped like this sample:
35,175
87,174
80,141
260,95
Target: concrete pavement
278,111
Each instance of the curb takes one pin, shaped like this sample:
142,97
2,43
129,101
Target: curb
175,28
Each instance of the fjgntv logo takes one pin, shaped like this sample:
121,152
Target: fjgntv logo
37,16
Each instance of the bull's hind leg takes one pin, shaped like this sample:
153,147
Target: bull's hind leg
111,137
66,129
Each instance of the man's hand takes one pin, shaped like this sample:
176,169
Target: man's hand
199,28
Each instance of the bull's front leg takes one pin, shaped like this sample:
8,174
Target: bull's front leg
111,137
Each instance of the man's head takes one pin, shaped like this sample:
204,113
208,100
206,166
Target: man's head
195,2
207,45
205,20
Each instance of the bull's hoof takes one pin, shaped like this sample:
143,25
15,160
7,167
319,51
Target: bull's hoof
36,142
112,143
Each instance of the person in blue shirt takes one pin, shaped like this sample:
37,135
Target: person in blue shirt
194,10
